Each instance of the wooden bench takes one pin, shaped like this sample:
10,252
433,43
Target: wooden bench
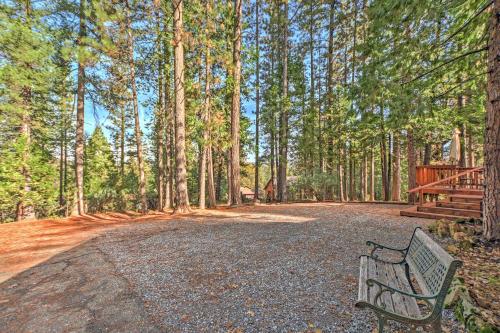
410,290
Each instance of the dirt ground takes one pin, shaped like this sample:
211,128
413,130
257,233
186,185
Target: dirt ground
265,268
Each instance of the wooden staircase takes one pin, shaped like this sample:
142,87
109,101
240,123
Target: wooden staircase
456,207
463,188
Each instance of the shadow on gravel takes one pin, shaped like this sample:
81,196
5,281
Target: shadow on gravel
76,290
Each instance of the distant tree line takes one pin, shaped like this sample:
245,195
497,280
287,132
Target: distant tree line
348,96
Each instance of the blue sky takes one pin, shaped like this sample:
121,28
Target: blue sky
95,114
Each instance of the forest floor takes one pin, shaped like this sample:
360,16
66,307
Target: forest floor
264,268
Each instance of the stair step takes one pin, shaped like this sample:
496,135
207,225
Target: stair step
450,211
425,215
459,205
465,198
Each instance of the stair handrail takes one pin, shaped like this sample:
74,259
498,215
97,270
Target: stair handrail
420,189
416,189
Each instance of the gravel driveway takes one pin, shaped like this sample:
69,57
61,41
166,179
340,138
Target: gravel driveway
279,268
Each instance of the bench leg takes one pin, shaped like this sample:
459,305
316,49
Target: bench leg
381,324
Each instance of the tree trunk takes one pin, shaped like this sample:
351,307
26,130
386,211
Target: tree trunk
272,158
182,198
396,169
330,69
212,202
206,113
137,125
463,146
462,162
229,181
470,150
352,193
283,145
342,197
383,157
347,195
365,178
160,131
257,101
65,187
491,200
389,165
201,175
427,153
62,147
235,106
25,211
372,174
169,151
218,183
412,165
79,137
312,102
321,161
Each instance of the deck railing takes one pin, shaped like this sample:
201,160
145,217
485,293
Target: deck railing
437,177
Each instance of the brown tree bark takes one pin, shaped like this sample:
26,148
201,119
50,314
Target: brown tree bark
182,198
462,162
169,149
364,179
80,106
342,196
218,179
491,200
62,162
25,210
235,106
372,174
396,168
383,166
229,176
160,131
383,157
202,175
283,137
412,165
137,125
257,101
352,192
206,149
470,150
427,153
330,86
212,201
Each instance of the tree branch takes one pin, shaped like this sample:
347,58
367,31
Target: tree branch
446,63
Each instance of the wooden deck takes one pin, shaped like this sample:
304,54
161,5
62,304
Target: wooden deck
462,188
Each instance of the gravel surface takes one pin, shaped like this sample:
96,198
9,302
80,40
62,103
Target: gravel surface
279,268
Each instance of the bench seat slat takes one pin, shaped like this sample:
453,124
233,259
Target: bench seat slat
389,274
363,276
402,283
382,275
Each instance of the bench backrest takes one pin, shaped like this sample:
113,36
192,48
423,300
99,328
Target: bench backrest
432,266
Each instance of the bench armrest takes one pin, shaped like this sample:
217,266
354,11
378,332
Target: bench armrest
377,246
386,288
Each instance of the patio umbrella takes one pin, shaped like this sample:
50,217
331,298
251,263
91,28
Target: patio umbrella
455,147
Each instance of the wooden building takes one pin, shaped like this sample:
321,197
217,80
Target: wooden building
454,192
